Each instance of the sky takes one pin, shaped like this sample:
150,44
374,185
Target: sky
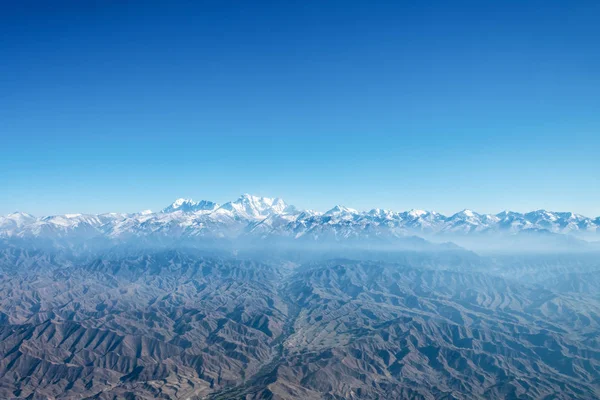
127,105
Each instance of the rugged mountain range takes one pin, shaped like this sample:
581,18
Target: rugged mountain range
188,324
259,217
255,299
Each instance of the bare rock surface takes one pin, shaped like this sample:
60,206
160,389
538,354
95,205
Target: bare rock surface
190,324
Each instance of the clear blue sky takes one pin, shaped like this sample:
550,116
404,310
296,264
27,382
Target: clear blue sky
127,105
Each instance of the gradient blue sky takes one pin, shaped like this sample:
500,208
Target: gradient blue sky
127,105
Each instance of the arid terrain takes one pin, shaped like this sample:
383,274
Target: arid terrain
192,324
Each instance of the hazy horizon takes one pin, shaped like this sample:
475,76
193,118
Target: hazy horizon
323,210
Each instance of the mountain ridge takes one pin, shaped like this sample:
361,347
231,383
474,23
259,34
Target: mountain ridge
273,217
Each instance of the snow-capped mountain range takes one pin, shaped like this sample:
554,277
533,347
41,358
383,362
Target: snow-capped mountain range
266,217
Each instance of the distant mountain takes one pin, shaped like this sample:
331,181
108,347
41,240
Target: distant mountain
255,299
262,217
187,205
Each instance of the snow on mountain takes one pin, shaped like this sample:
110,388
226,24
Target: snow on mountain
273,225
12,223
252,207
383,214
82,225
16,219
342,211
560,221
188,205
422,221
416,213
467,221
512,221
272,217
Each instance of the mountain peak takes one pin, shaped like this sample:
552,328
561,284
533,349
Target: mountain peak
16,219
416,213
467,213
255,207
180,201
249,196
271,201
20,214
189,205
337,210
506,213
205,218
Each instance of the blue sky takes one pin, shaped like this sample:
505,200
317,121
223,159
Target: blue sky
123,106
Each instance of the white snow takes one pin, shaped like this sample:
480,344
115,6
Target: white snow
272,216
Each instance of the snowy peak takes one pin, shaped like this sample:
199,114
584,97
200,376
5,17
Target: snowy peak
380,213
341,210
269,217
188,205
416,213
20,217
507,214
540,215
181,201
15,221
254,207
466,213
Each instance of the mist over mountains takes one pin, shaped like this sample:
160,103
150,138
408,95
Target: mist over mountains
255,299
252,218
